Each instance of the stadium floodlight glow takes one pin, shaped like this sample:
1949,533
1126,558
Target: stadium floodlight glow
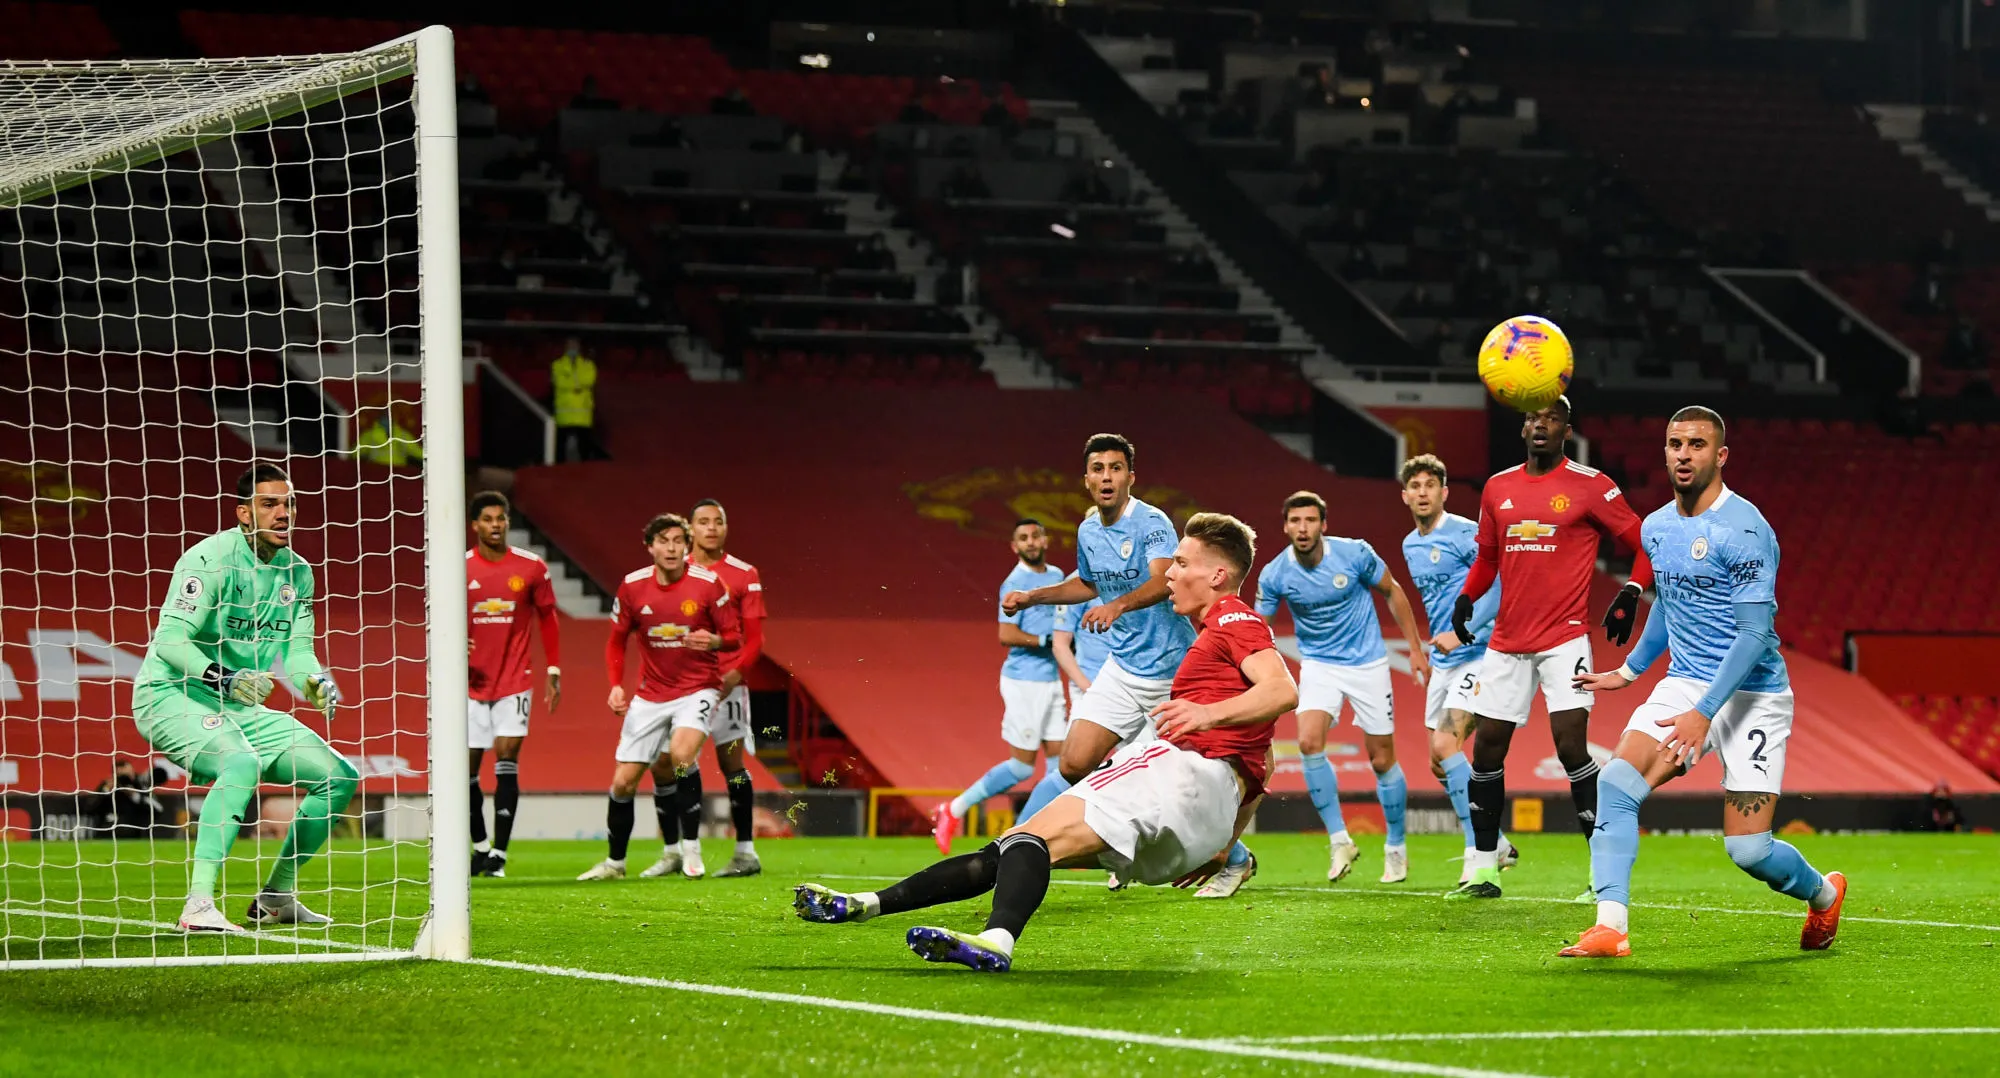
816,59
199,247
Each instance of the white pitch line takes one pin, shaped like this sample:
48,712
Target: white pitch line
1116,1036
1596,1034
1344,892
172,926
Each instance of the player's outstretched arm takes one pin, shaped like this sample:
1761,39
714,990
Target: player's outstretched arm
1406,621
1154,590
1652,644
1062,643
1013,636
1272,692
1074,590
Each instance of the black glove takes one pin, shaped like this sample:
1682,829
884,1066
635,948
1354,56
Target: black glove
1461,619
1623,612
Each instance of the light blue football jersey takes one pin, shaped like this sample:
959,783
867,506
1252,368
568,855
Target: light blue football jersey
1333,603
1090,648
1438,565
1702,567
1030,664
1116,559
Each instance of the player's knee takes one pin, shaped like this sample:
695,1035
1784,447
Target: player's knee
1310,743
239,771
341,783
624,791
1488,757
1381,758
1748,851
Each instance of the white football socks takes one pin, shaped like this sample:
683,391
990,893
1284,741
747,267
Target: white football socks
1613,915
999,939
747,847
1822,899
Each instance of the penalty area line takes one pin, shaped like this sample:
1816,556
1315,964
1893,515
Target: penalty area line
1115,1036
1596,1034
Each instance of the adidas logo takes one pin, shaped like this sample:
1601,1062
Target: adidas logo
1507,504
645,610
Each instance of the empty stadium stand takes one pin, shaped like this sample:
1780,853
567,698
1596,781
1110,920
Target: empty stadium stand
1808,477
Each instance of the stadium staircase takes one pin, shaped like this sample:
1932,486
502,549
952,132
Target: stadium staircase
1902,126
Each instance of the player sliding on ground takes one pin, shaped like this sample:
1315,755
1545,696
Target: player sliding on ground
240,606
507,592
1538,525
1715,560
1030,686
677,800
1165,809
1439,552
1123,550
1330,583
685,616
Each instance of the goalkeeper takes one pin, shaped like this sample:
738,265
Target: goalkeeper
240,605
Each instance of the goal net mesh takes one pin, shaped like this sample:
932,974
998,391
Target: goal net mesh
205,264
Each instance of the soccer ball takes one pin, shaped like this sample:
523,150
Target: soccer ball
1526,363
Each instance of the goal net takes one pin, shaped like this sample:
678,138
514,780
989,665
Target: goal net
206,264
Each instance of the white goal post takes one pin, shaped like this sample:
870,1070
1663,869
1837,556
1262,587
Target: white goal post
206,264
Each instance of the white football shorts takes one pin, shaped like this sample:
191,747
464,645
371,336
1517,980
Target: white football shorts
1162,809
732,720
1323,686
486,720
1450,689
1035,713
1507,681
649,723
1121,703
1749,733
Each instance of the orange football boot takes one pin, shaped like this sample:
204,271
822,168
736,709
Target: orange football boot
1599,941
943,826
1823,925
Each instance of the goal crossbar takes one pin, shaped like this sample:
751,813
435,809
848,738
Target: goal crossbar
108,117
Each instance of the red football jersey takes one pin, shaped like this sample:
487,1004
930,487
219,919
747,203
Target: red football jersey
503,598
662,614
746,590
1543,529
1212,671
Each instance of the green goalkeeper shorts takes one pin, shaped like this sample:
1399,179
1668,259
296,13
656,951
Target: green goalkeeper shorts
196,735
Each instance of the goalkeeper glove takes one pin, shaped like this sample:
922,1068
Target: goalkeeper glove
320,692
246,687
1461,619
1623,612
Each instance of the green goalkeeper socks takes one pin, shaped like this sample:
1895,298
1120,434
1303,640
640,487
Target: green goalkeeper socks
221,816
312,823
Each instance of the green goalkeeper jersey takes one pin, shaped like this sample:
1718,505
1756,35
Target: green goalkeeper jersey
226,605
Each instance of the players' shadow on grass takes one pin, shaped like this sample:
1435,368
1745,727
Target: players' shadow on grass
1695,977
1175,980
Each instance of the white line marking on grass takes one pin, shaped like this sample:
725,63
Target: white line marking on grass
269,932
1346,892
1217,1047
1594,1034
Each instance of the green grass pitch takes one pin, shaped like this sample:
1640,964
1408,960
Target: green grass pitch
1292,976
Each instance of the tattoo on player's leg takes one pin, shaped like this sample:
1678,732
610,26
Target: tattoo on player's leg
1747,804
